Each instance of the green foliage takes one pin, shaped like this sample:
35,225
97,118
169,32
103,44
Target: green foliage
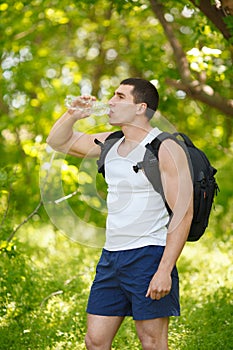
229,22
43,294
8,177
52,48
45,285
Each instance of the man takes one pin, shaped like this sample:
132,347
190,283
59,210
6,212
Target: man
136,274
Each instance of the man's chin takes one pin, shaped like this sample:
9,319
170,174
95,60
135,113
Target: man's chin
111,122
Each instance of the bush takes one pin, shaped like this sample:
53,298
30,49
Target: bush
45,280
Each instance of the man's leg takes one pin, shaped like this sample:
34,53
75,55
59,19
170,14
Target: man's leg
101,331
153,334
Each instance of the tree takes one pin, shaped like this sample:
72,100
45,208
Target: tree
52,48
219,14
196,85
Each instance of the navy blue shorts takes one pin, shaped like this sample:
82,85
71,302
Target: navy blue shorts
121,282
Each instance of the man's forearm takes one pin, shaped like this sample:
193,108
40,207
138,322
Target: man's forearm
176,240
161,283
62,131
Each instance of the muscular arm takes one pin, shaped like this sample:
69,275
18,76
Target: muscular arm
64,139
178,189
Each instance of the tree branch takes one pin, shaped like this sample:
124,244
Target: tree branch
179,54
193,88
196,92
215,15
35,211
58,292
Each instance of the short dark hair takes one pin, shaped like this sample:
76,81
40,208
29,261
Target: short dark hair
144,91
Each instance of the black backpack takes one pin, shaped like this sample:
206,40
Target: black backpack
204,184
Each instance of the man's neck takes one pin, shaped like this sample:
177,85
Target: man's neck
136,132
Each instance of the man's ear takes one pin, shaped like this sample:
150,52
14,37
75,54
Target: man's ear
141,108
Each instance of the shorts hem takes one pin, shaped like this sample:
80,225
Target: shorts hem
135,318
108,315
152,317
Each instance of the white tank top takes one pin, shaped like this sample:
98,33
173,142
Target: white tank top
137,216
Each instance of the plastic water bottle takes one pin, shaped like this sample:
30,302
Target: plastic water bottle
93,107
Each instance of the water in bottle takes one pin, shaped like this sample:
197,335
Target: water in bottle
93,107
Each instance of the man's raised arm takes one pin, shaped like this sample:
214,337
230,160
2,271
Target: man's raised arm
64,139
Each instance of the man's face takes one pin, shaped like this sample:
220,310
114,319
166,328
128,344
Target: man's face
122,106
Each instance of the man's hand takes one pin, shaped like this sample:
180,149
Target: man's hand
80,107
159,286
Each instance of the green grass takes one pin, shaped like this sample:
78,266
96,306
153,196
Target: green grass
45,283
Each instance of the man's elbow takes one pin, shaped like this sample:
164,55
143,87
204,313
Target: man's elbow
50,142
55,146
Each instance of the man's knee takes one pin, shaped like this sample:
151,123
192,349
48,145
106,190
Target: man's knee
153,334
92,343
149,343
96,343
88,342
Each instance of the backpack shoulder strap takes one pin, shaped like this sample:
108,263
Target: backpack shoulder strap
150,163
105,147
155,144
153,175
